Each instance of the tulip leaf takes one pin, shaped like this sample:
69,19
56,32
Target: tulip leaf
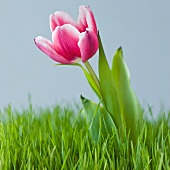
108,89
88,77
99,120
130,108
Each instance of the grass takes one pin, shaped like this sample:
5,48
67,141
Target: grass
57,139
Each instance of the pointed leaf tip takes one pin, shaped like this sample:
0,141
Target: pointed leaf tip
81,97
120,48
120,52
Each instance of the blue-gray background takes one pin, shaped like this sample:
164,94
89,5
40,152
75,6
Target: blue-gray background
141,28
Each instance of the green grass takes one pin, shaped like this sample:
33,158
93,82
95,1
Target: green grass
57,139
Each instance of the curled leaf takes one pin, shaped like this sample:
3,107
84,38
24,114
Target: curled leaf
99,120
130,108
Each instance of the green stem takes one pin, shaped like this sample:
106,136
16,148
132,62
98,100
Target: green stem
93,74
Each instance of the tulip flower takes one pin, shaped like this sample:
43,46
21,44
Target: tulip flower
71,41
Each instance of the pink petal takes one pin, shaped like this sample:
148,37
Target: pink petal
82,23
88,44
47,47
86,19
60,18
65,39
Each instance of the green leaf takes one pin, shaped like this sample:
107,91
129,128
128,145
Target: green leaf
108,89
100,121
88,77
129,105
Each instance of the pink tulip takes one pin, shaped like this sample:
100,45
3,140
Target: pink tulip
71,41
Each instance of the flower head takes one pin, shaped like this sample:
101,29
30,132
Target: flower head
71,40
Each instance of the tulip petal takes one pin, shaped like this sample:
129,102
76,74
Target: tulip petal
86,19
60,18
88,44
65,39
47,47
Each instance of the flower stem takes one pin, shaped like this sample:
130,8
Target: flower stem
93,74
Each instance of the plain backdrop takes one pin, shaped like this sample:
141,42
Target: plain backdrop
141,28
